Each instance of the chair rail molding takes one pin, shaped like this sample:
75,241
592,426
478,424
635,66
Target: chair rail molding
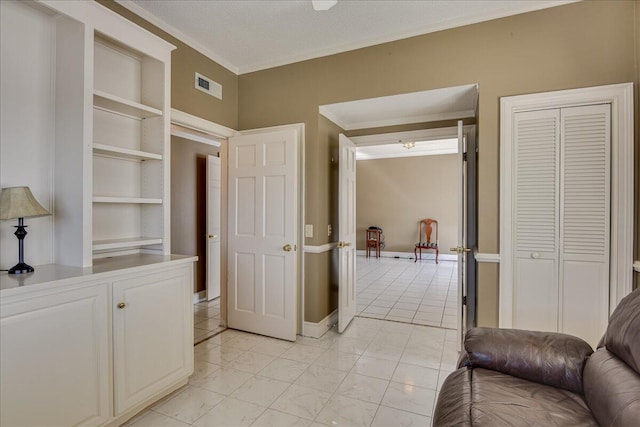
486,257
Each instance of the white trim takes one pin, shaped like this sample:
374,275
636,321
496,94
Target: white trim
311,249
409,255
407,153
316,330
491,258
164,26
409,120
186,133
620,96
199,124
636,266
199,296
413,135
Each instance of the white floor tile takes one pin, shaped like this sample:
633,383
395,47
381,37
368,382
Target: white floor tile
272,418
224,381
377,368
154,419
416,375
190,404
345,411
409,398
302,402
364,388
260,390
321,378
386,417
231,412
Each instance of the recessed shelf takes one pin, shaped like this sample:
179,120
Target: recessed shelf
102,245
131,200
125,153
116,104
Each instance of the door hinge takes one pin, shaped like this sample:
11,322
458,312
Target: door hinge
464,300
464,156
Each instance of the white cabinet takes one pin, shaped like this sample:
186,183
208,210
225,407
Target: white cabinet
152,334
94,346
55,358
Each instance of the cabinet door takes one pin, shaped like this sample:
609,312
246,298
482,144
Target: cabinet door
536,197
153,334
55,365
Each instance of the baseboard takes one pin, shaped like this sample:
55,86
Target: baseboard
409,255
316,330
199,296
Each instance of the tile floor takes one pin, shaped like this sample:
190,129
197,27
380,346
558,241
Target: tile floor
376,374
422,293
206,320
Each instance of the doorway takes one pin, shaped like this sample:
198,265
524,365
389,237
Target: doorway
192,152
397,187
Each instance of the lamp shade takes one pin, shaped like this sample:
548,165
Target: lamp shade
18,202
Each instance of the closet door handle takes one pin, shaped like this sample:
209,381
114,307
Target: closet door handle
535,255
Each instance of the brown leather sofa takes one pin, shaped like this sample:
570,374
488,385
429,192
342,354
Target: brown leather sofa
523,378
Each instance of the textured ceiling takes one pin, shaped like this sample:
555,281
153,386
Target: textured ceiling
250,35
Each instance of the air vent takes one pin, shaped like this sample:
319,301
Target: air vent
209,86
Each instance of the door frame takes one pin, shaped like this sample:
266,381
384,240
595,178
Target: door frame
203,128
620,96
471,133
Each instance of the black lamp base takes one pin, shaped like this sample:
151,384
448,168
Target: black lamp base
21,268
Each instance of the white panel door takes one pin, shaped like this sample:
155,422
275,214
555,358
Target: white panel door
213,227
346,233
536,203
462,235
585,221
263,206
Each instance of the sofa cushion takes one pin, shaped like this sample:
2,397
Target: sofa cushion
549,358
481,397
612,390
623,333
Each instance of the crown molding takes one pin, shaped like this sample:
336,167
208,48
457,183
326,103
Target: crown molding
164,26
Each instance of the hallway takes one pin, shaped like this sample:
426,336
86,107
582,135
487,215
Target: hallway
422,293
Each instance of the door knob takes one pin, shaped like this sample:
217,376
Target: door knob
212,236
535,255
122,305
459,250
287,248
343,244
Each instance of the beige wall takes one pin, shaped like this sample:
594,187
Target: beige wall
188,202
185,61
576,45
396,193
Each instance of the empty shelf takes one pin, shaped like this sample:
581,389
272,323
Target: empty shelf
134,200
101,245
116,104
124,153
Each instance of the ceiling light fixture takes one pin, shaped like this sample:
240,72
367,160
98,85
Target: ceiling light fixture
407,145
323,4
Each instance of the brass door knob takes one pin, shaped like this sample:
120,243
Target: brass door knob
122,305
343,244
287,248
212,236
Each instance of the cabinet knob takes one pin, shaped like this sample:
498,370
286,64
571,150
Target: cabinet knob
535,255
122,305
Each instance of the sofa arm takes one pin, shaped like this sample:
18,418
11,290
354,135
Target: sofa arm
545,357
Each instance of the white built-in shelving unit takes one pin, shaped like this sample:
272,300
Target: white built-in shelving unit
130,119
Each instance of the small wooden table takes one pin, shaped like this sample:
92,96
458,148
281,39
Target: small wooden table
373,241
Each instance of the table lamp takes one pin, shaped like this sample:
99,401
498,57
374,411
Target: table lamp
18,202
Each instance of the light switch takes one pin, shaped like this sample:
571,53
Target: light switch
308,230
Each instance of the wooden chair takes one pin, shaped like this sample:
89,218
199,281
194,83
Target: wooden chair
374,241
425,230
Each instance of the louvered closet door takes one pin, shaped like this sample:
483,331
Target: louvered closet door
585,221
536,223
